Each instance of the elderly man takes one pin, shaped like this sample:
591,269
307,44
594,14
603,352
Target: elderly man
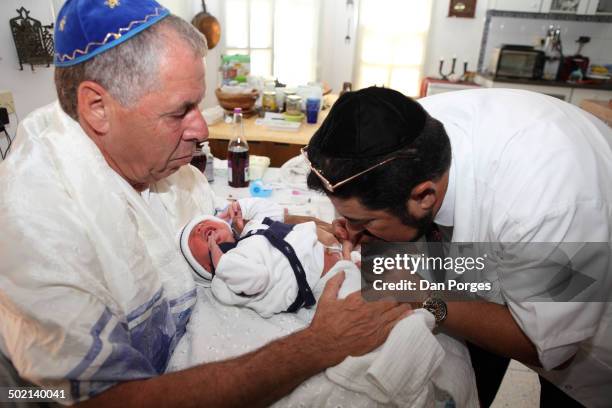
499,166
94,294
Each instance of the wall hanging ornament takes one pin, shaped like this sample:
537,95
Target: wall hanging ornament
34,41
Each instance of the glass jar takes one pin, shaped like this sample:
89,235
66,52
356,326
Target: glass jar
269,101
294,105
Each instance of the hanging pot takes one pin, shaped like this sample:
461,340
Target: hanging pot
208,25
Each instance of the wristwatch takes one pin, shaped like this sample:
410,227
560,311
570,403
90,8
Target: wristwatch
437,307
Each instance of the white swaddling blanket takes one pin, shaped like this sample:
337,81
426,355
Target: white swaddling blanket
217,331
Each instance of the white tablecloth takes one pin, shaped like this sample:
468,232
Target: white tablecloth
297,199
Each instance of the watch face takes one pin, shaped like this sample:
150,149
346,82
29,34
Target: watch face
437,307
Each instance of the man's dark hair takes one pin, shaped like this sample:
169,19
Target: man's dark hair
388,124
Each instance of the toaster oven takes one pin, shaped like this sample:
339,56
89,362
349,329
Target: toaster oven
517,61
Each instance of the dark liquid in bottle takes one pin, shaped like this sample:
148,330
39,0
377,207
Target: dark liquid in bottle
238,166
199,161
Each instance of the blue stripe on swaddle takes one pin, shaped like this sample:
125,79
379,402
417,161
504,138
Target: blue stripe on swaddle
139,352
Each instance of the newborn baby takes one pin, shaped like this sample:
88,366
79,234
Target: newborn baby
271,267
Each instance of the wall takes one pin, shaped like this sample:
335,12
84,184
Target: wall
31,89
336,59
452,36
214,56
529,31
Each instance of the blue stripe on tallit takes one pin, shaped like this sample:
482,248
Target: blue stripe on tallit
182,299
137,353
140,310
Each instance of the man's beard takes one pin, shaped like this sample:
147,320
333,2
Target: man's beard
422,225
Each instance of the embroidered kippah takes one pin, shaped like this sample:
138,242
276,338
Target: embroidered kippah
86,28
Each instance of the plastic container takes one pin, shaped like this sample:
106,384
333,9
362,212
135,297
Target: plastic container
209,171
312,109
258,189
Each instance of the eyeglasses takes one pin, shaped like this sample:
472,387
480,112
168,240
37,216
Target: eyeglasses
326,183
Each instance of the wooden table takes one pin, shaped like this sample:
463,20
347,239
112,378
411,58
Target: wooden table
279,146
601,109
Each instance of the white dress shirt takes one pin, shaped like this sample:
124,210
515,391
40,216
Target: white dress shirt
530,168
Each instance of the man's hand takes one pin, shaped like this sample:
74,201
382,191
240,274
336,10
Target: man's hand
352,326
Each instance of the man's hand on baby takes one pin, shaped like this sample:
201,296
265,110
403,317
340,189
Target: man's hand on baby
215,251
352,326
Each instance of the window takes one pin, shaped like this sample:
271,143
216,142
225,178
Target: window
391,43
281,36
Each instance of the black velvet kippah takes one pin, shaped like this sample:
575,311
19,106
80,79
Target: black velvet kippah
368,123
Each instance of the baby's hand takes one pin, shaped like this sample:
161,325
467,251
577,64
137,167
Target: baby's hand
236,216
215,251
233,215
326,238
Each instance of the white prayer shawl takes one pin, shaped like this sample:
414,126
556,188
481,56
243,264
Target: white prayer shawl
257,275
93,290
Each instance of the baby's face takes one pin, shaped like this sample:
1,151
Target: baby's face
198,240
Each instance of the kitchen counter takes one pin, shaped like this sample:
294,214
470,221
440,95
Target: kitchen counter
601,109
280,146
481,79
259,133
573,93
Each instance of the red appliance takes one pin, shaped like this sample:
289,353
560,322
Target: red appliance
574,62
570,64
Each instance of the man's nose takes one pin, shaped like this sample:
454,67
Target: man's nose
197,129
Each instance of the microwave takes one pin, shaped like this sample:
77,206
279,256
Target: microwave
517,61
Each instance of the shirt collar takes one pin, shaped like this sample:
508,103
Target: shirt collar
446,214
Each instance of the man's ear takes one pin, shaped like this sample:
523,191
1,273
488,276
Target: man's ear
424,195
94,106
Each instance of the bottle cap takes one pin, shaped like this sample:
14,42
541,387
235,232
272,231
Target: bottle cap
237,110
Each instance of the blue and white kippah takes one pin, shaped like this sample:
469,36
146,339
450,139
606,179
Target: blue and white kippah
86,28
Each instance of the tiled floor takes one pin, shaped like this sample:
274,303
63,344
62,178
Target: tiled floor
520,388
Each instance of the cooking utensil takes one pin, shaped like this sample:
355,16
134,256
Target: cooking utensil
208,25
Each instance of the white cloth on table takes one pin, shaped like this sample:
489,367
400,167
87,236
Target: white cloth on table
529,168
92,288
220,331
